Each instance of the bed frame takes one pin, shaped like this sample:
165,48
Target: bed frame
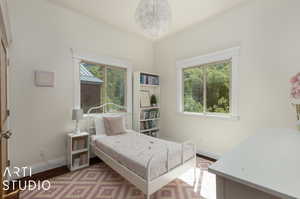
148,186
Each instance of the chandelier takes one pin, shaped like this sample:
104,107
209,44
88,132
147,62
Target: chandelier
153,16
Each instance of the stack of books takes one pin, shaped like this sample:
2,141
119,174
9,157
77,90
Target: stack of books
149,79
78,144
149,114
148,124
81,160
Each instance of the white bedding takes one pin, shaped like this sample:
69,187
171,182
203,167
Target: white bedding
133,150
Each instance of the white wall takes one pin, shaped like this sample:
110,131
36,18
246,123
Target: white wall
268,33
43,33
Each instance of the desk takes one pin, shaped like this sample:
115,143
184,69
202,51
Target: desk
265,166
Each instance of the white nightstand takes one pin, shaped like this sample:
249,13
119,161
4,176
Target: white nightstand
78,151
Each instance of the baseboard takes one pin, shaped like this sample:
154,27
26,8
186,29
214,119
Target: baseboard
209,154
51,169
51,164
41,167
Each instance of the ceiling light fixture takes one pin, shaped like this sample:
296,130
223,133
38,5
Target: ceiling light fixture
153,16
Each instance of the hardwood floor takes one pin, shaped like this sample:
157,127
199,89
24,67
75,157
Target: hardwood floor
206,158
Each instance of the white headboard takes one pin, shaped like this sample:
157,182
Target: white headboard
92,116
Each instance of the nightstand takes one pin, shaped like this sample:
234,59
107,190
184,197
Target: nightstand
78,153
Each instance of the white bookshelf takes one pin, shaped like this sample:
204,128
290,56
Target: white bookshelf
78,151
146,118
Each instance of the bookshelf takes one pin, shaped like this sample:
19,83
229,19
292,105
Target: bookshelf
146,114
78,150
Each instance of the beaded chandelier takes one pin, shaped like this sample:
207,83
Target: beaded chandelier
153,16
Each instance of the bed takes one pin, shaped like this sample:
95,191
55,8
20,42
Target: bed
148,163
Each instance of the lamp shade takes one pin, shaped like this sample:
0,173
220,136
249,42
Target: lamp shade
77,114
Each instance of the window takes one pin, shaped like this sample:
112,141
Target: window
207,87
100,84
207,84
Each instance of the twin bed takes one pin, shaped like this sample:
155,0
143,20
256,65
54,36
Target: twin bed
148,163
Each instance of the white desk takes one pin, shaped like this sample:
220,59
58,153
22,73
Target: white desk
267,163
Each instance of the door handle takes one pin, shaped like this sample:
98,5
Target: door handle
6,134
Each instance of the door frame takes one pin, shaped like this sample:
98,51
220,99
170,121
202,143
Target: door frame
5,39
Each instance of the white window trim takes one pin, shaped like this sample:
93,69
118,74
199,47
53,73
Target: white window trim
78,58
232,53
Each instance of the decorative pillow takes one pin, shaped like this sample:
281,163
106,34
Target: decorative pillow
114,125
99,126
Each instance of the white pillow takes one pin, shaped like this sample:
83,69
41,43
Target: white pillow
99,126
99,123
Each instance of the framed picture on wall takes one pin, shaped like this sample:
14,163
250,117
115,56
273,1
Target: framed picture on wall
44,78
145,99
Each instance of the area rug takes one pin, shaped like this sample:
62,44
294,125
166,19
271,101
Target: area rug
100,182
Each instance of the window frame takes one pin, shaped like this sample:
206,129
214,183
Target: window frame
231,53
101,60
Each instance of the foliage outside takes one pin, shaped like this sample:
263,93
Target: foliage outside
217,83
113,87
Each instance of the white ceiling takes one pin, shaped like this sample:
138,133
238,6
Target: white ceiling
120,13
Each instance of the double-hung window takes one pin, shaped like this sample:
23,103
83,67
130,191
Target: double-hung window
207,85
100,84
102,80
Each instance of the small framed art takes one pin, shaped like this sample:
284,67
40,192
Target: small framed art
44,78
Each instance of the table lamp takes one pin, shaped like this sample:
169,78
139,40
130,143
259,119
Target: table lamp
77,115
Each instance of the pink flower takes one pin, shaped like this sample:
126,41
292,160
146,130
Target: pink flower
295,92
294,79
298,76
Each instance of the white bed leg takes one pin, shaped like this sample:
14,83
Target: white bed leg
195,172
148,196
195,168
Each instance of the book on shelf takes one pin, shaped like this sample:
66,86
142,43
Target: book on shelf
78,144
76,162
149,114
74,145
150,124
83,158
81,144
149,79
80,160
145,99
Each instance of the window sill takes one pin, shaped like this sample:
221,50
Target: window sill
213,115
85,115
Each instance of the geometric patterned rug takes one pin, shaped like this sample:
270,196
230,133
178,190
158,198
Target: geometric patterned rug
100,182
